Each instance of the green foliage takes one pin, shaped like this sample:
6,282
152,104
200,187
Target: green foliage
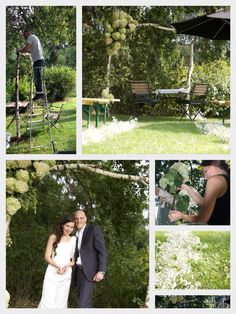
24,89
217,75
120,218
193,301
60,82
56,28
151,54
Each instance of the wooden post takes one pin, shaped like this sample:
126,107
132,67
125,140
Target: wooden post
17,109
191,64
108,72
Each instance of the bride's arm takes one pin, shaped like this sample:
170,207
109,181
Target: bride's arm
49,251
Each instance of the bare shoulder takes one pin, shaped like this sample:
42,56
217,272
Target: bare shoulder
220,180
216,185
52,238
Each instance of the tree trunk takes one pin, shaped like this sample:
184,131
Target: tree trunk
108,72
17,109
191,64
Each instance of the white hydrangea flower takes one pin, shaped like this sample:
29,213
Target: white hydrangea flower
163,182
22,175
7,298
42,169
12,205
182,169
10,185
21,186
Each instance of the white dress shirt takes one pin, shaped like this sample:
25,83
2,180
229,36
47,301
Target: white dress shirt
79,235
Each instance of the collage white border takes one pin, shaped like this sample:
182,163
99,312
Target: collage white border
152,158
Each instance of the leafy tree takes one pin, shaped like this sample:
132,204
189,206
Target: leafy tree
117,205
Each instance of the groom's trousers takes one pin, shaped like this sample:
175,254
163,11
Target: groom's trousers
84,289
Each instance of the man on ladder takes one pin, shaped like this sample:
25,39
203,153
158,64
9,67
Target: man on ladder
34,46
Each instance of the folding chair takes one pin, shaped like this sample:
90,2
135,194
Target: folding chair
196,100
141,95
54,116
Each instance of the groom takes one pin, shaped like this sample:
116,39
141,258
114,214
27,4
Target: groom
90,259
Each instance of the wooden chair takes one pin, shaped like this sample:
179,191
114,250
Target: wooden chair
141,95
195,100
54,116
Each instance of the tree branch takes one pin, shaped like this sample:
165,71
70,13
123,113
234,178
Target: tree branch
169,29
95,169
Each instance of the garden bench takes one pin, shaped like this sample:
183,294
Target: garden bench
196,100
100,105
142,94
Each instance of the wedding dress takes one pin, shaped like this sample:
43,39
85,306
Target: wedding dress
55,286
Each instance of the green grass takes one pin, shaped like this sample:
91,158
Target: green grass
213,271
158,135
64,139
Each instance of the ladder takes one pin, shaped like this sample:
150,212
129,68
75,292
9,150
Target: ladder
39,113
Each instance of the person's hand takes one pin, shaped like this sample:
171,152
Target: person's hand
65,268
175,215
98,277
185,187
60,270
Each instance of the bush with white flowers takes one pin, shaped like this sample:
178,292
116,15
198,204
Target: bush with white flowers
174,258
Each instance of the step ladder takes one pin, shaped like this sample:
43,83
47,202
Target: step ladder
39,114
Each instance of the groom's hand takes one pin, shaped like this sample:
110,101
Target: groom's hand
98,277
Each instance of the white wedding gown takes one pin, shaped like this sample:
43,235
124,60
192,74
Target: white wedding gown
55,286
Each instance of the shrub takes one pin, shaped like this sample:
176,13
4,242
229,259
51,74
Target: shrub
60,82
24,89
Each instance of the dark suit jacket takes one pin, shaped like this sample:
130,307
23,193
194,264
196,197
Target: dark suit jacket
93,251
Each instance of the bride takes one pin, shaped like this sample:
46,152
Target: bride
59,255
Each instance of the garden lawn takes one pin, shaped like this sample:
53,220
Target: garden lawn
214,270
158,135
64,139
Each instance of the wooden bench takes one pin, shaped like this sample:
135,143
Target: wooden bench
100,105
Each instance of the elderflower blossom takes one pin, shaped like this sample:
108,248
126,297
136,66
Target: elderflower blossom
115,127
216,129
12,205
173,261
42,169
22,175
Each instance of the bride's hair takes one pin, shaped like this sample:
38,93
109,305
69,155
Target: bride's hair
58,230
